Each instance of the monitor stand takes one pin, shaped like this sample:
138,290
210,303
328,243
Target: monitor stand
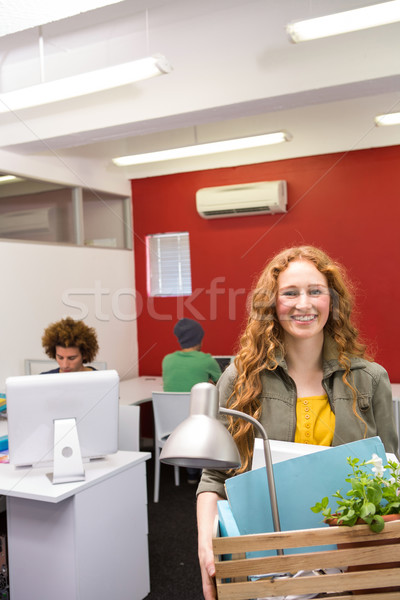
68,465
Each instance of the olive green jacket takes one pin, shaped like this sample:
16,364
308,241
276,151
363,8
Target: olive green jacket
279,398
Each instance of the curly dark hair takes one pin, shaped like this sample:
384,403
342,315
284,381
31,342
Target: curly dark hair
69,333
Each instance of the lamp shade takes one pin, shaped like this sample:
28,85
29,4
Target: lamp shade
201,440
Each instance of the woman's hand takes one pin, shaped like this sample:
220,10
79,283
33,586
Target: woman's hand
207,568
206,518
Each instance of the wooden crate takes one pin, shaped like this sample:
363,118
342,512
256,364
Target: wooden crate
372,569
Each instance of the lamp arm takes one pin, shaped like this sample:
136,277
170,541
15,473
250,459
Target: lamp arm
268,461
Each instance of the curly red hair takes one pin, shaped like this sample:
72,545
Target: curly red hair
69,333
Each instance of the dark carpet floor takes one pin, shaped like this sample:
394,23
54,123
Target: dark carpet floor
174,569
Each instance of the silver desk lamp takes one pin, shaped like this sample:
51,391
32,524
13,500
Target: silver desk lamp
202,440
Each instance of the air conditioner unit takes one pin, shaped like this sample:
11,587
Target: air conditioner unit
261,197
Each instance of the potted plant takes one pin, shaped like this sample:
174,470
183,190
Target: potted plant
371,498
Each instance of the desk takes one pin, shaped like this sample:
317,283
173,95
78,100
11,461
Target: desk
78,541
139,389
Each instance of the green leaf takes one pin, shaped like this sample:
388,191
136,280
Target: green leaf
374,494
327,513
377,525
367,509
348,519
337,494
320,505
357,487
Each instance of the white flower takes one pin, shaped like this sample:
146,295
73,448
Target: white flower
396,472
378,468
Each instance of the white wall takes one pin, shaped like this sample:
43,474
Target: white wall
43,283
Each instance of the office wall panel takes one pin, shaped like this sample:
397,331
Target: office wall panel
42,283
348,204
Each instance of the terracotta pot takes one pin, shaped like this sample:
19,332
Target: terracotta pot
333,522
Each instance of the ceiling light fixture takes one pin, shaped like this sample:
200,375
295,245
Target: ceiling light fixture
9,179
85,83
388,119
344,22
203,149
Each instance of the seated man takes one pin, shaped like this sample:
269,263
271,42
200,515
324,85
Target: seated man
72,344
182,369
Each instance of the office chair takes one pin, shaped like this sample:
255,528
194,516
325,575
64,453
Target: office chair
128,428
169,409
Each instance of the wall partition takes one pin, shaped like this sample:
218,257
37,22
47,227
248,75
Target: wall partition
41,212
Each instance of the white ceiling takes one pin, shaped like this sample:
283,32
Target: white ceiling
235,74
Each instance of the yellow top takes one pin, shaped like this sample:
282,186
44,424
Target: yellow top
315,421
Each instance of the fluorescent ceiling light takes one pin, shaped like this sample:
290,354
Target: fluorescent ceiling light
9,179
344,22
203,149
388,119
85,83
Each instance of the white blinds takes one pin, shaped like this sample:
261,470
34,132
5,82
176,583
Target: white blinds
168,264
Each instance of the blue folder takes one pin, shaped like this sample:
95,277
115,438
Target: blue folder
227,524
300,482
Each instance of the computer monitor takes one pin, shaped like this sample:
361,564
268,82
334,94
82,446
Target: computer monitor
61,420
223,361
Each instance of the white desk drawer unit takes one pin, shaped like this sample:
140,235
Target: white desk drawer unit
82,540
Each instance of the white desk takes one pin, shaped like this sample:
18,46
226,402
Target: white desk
79,541
139,389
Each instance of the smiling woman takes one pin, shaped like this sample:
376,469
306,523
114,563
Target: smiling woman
303,300
301,371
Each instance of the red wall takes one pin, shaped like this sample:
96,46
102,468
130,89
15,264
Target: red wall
348,204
